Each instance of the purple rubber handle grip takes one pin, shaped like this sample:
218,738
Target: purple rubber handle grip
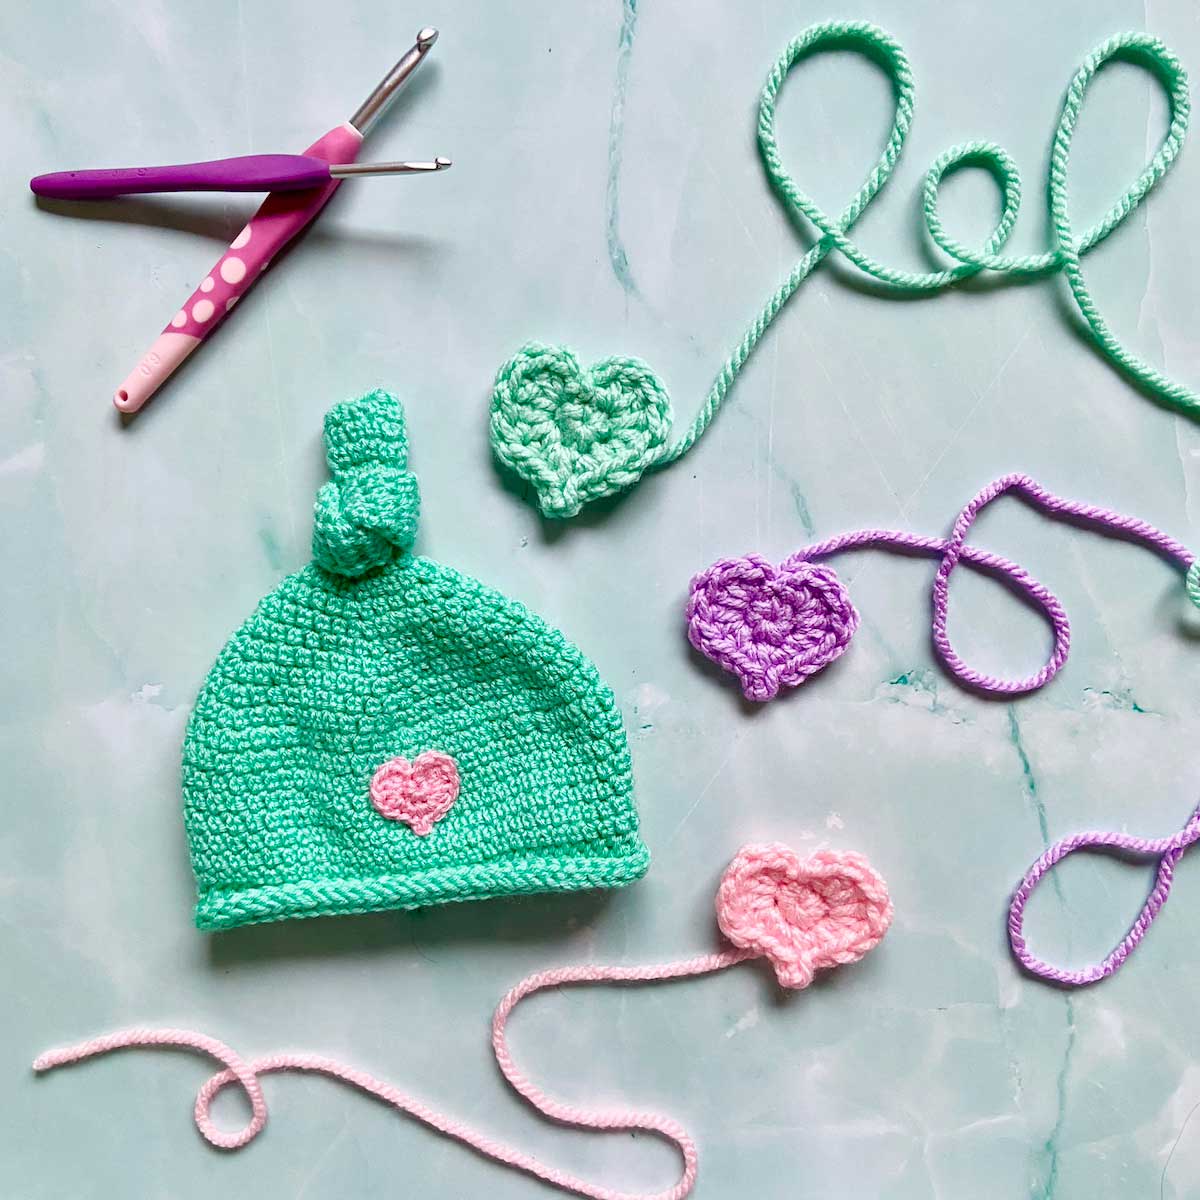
250,173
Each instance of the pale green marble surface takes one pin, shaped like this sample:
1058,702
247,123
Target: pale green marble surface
606,193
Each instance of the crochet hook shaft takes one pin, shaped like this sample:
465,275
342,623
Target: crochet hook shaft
247,173
281,217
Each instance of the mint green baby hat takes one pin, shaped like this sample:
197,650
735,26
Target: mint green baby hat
384,732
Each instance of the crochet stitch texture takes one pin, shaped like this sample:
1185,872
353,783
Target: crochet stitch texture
369,655
576,434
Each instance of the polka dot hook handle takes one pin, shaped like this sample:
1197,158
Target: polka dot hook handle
279,219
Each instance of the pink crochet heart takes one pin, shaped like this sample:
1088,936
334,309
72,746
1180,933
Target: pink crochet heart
803,914
771,626
419,793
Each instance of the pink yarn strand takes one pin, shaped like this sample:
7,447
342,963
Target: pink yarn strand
179,1039
247,1074
802,915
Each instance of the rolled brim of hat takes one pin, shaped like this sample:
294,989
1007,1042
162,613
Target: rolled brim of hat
216,910
401,739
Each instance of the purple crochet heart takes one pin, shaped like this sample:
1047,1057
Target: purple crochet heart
770,626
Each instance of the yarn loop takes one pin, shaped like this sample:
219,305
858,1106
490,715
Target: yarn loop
528,430
368,511
1168,851
725,611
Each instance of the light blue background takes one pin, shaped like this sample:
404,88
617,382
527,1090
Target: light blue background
620,208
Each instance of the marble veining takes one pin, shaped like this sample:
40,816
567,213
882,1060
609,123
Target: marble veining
606,192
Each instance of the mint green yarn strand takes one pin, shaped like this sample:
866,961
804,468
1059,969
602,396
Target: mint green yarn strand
1193,583
1163,389
576,434
875,43
1141,49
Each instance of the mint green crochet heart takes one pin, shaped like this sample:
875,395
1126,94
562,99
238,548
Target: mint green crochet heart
576,435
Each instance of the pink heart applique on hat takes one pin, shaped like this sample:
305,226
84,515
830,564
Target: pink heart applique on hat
419,793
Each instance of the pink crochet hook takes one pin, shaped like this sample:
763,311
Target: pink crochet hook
280,218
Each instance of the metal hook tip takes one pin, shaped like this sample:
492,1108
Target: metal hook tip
442,162
368,112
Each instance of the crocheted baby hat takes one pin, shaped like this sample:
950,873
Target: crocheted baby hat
385,732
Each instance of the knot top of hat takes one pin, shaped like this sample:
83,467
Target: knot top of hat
368,510
577,434
773,627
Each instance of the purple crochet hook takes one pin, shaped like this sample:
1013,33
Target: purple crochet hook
247,173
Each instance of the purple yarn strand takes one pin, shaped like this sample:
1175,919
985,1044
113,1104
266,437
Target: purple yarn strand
955,549
1040,596
1168,851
